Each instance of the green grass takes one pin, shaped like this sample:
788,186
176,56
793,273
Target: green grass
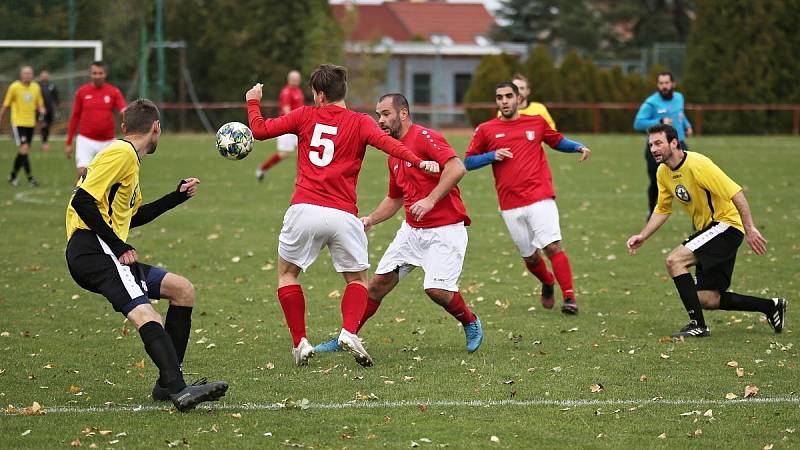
56,336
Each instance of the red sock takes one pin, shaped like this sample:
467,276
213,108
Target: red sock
270,162
563,273
458,309
294,309
372,308
540,270
354,303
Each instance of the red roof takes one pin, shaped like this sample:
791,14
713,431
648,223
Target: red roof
411,21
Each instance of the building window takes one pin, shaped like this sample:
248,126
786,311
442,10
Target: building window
461,84
422,88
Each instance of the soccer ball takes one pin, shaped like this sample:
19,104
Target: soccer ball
234,140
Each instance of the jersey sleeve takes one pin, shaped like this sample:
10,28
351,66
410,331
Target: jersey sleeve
551,137
270,128
664,201
477,145
119,100
9,95
710,177
108,168
39,98
645,117
75,117
372,134
394,189
284,100
438,149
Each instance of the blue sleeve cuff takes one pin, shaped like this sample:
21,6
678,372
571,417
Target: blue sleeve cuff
568,146
477,161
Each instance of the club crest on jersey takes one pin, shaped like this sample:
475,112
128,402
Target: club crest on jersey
107,99
396,166
682,193
408,164
531,135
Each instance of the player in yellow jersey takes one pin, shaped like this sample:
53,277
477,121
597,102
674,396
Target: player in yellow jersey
527,108
24,97
721,218
106,204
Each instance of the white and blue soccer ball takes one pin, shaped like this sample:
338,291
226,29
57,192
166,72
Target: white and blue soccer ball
234,140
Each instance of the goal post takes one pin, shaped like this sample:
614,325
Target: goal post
96,45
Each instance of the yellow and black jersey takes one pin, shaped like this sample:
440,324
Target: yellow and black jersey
23,100
703,190
112,178
536,109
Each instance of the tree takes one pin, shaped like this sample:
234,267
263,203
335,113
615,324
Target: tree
492,70
543,78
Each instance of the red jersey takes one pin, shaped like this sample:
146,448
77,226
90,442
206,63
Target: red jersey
526,178
412,184
331,142
291,96
94,111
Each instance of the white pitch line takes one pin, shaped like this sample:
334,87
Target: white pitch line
432,403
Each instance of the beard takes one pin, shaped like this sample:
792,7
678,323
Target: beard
393,128
666,94
509,114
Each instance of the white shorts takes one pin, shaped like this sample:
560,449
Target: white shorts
86,149
534,226
287,142
308,228
439,251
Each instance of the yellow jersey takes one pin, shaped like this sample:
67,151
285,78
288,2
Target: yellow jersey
702,189
536,109
24,100
112,178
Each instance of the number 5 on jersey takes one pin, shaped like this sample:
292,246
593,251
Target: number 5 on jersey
324,157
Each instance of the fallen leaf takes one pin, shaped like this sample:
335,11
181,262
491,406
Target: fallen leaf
595,388
664,356
494,439
708,413
767,447
76,443
74,389
334,294
731,396
662,436
26,432
105,432
732,364
697,432
740,372
139,365
643,378
751,390
236,415
414,444
422,407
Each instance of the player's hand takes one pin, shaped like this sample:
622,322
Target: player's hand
585,152
634,242
68,148
429,166
689,132
254,93
502,154
128,257
666,121
421,207
367,221
756,241
189,186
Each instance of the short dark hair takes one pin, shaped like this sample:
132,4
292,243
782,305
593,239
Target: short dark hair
399,101
139,116
668,130
665,74
331,80
508,84
98,63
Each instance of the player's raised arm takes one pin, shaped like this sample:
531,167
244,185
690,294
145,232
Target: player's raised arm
375,137
147,213
267,128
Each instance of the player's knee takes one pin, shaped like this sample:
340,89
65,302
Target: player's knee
439,296
551,249
185,293
674,263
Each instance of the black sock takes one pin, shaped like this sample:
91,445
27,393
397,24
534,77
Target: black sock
178,326
25,163
732,301
688,292
159,347
17,165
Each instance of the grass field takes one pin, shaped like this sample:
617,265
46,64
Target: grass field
529,385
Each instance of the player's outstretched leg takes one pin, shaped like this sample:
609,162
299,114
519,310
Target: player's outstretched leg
773,308
354,304
536,265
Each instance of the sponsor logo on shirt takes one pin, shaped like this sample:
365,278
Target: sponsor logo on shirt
396,166
87,97
499,135
531,135
682,193
107,99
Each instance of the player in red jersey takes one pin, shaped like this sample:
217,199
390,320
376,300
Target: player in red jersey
290,98
512,144
93,117
434,234
332,141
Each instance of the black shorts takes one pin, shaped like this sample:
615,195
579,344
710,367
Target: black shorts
23,135
715,247
95,268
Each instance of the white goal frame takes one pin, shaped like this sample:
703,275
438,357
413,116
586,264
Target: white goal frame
96,45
